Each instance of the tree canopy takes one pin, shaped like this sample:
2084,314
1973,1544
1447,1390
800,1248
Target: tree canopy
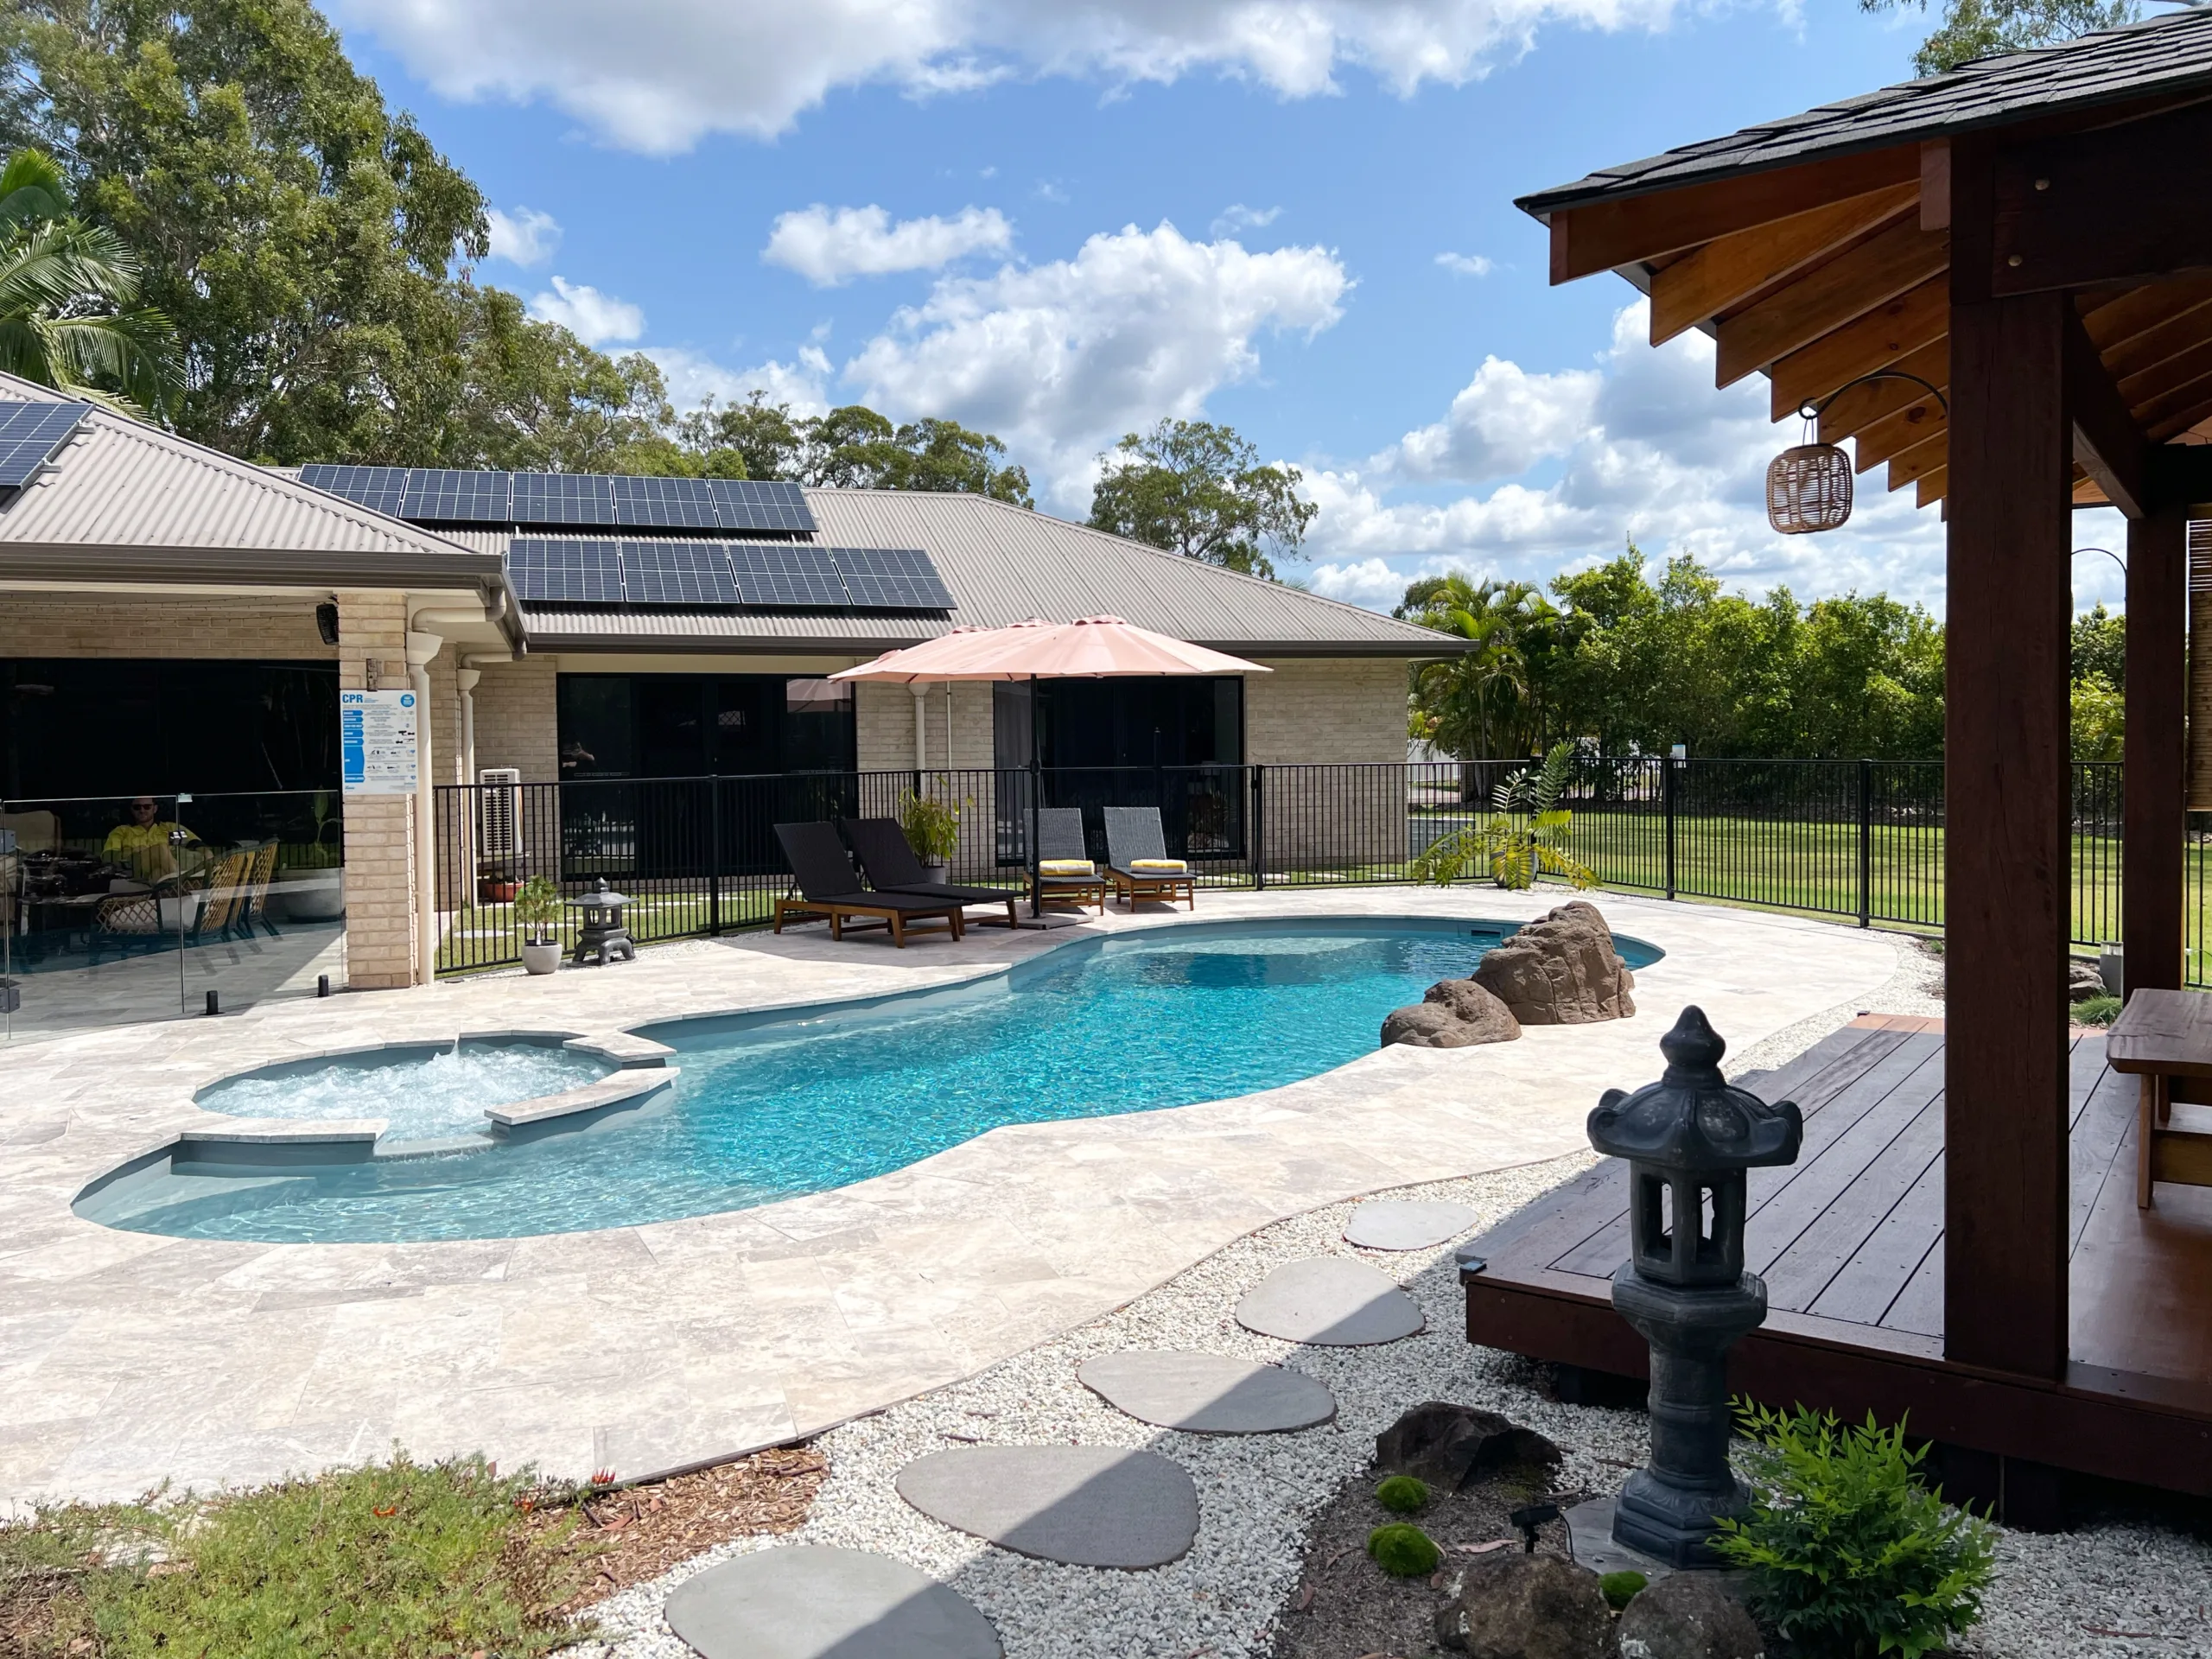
1982,29
853,448
1199,489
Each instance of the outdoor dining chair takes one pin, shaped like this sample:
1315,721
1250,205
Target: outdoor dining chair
1137,861
889,861
822,871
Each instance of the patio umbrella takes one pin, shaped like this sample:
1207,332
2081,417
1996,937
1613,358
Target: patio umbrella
1091,647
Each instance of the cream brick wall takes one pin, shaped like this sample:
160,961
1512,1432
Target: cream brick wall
380,853
1327,711
146,624
518,718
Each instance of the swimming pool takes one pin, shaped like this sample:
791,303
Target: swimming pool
768,1107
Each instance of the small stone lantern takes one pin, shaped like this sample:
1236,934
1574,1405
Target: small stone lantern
1689,1140
602,928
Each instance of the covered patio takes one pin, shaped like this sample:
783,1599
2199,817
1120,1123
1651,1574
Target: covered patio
1998,283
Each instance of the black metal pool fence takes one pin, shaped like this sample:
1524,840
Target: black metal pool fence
1856,839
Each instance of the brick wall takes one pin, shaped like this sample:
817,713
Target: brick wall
379,828
147,625
1330,711
517,720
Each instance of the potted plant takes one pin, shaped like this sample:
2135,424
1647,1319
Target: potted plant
538,906
495,883
933,829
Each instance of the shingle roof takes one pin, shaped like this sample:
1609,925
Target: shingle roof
123,499
2170,54
1003,564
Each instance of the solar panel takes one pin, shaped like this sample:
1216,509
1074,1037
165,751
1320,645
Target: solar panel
676,572
29,434
758,505
782,573
439,494
665,503
563,498
891,579
378,488
551,571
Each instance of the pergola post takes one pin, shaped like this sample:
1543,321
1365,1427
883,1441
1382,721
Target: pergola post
2155,823
2006,837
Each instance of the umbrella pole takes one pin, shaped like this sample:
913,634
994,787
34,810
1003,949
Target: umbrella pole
1036,789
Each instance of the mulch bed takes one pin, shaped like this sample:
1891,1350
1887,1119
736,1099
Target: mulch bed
1346,1607
640,1532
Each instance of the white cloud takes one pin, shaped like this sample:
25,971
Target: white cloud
828,248
525,237
1643,448
595,318
1060,359
677,70
692,378
1467,265
1236,218
1370,581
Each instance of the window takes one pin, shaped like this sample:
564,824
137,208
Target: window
615,725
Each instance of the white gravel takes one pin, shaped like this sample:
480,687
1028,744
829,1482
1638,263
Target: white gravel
2054,1597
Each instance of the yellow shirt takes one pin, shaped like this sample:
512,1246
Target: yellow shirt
143,846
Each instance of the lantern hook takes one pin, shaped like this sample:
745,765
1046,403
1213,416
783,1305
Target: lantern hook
1811,408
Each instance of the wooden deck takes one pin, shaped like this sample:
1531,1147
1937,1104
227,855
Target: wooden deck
1850,1241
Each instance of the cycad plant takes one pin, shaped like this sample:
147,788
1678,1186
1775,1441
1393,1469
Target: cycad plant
1525,836
69,290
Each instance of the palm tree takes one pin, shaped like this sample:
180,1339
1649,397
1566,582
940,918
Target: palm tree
67,291
1485,701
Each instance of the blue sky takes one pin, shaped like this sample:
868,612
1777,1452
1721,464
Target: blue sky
1060,221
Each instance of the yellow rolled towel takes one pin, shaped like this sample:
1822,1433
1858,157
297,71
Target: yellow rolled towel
1067,866
1159,866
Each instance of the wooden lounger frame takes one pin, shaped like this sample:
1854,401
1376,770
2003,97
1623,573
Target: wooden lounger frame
1133,884
898,917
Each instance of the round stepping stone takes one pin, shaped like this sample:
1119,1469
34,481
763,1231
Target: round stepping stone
1331,1300
810,1602
1405,1224
1208,1393
1086,1505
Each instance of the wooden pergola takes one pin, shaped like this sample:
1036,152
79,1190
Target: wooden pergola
2031,235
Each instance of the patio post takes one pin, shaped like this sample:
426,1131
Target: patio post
2155,816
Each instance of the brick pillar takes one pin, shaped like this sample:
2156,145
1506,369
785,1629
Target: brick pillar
380,950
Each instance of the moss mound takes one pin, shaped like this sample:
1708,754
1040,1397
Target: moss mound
1403,1551
1403,1494
1620,1588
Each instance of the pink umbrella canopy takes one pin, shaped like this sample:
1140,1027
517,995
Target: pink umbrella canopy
1093,647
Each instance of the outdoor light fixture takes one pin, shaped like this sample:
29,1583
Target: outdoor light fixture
1809,487
326,622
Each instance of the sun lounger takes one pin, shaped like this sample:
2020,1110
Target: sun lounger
890,867
827,887
1060,841
1137,861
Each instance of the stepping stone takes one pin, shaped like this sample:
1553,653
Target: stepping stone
1086,1505
1208,1393
1404,1224
1331,1300
810,1602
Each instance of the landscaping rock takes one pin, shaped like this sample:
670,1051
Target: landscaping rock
1560,971
810,1602
1427,1025
1515,1606
1477,1007
1207,1394
1688,1616
1331,1301
1399,1225
2083,981
1085,1505
1449,1446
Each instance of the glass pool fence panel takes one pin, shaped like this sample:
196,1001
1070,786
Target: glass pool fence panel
126,908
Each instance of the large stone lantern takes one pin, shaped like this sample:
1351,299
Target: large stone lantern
1689,1140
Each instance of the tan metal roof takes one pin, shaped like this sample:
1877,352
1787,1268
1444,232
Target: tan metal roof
1003,564
125,501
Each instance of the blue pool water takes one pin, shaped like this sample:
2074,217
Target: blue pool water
768,1108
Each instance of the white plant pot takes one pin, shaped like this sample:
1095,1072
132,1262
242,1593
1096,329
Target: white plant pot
543,958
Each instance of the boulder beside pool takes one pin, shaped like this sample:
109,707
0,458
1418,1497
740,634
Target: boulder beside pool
1455,1013
1560,970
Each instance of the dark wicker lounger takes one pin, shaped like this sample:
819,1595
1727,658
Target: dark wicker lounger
828,888
889,863
1059,834
1134,832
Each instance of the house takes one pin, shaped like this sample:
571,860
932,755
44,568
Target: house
175,620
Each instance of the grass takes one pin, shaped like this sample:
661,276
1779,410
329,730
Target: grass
396,1561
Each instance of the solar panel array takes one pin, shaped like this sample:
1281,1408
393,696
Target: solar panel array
569,500
29,434
552,570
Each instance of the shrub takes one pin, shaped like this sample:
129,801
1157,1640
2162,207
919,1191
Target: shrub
1848,1554
2096,1011
1403,1551
1402,1494
538,906
1620,1588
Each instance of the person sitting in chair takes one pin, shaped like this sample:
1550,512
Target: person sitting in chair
147,844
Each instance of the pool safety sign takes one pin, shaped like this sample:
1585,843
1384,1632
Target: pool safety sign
376,740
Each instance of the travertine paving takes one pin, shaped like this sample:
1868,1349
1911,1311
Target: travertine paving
128,1359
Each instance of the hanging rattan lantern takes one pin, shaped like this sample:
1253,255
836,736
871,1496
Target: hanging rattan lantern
1809,489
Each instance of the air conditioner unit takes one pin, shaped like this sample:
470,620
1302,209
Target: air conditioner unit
499,812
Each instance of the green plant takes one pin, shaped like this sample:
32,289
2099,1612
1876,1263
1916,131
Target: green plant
1403,1551
2096,1011
932,827
538,906
1620,1588
1402,1494
1524,836
1848,1554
